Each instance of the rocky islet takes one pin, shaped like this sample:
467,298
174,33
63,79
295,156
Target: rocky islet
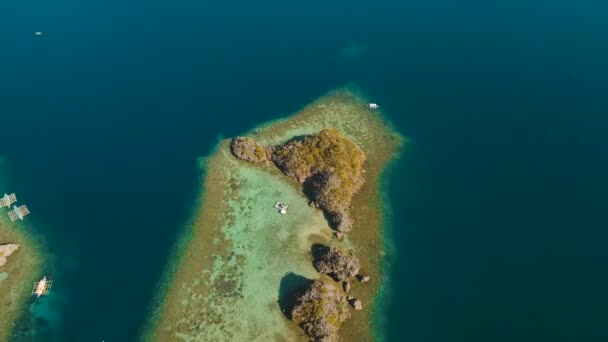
330,167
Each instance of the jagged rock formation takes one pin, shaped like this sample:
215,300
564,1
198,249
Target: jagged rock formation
328,164
337,263
320,311
341,221
5,251
249,150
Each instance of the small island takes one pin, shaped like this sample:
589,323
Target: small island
245,272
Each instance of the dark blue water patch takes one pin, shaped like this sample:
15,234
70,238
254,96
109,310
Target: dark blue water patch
501,196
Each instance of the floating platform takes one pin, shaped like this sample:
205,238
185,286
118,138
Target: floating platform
281,207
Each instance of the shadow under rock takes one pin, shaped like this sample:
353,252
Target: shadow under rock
292,286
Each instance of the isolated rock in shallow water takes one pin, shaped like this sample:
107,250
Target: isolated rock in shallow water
329,165
5,251
320,311
363,278
247,149
341,221
337,263
355,303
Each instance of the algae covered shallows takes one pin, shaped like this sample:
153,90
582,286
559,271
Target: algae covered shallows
21,263
235,275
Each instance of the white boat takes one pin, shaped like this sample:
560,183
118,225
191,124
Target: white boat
42,287
373,106
281,207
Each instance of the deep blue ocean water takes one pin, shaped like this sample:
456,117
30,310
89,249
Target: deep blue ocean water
499,199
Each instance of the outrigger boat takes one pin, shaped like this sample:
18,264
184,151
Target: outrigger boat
7,200
18,213
41,288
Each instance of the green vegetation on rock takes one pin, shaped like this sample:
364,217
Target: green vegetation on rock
329,156
320,311
247,149
329,165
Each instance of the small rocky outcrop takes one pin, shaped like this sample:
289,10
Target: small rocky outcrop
355,303
346,286
6,250
336,262
363,278
320,311
247,149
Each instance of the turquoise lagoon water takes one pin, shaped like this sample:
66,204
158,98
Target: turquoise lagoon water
498,201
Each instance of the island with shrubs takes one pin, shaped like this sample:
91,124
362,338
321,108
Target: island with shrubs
244,272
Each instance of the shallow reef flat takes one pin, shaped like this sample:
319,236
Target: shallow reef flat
22,269
234,274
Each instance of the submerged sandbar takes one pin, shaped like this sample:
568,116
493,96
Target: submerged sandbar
241,259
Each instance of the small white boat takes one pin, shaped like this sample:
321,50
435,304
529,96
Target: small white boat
281,207
38,33
373,106
42,287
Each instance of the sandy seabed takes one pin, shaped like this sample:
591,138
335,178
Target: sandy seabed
240,259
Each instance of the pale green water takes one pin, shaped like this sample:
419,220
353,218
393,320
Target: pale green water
244,287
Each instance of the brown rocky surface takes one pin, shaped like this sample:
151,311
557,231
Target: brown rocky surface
320,311
336,262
